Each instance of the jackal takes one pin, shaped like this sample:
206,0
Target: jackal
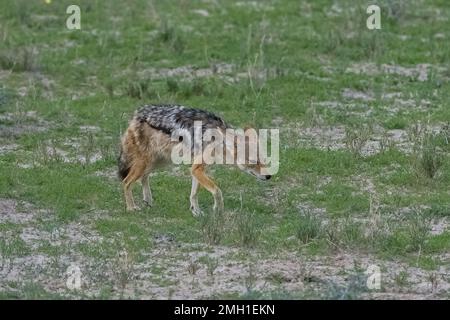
148,142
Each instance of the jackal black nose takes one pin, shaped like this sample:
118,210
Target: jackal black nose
268,177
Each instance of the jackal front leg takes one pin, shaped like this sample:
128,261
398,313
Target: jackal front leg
195,208
146,192
198,172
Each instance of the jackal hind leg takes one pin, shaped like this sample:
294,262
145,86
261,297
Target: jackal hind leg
136,173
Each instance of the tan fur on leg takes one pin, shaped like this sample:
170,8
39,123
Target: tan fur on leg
198,171
136,172
146,192
195,208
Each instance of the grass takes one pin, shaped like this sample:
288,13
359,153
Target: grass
212,226
309,227
66,97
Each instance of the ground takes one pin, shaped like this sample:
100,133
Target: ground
364,151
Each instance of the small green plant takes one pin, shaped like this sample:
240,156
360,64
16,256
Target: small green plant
47,152
357,137
418,229
438,211
109,87
407,237
210,263
248,229
193,267
250,281
123,270
333,40
107,151
401,279
396,9
313,118
434,281
212,227
196,87
88,148
308,227
172,85
356,286
19,60
386,143
5,96
427,153
352,233
430,159
140,90
332,235
167,34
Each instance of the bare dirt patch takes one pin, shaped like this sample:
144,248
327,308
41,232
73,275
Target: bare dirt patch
174,270
334,138
215,272
22,122
110,173
85,149
67,234
419,72
22,260
188,72
360,95
439,226
326,138
9,212
254,5
28,218
7,148
201,12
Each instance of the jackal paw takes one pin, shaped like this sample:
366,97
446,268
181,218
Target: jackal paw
196,211
148,203
133,208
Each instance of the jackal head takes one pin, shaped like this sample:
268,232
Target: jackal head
255,168
246,154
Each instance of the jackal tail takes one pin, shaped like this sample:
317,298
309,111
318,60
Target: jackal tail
123,164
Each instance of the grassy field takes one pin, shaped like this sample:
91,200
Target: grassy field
365,168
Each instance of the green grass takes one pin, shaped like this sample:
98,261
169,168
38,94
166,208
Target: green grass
286,66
